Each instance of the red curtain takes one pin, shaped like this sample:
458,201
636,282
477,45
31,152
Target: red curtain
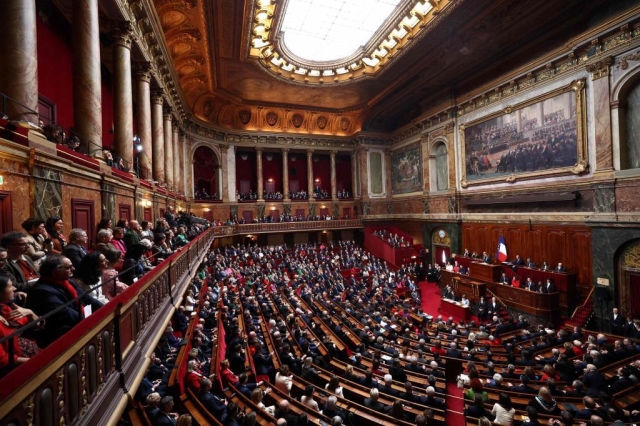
442,254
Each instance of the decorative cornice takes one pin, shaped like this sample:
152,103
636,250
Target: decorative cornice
600,68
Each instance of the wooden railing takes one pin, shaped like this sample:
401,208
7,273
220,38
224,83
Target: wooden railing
84,377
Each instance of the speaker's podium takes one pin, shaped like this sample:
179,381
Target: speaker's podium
485,271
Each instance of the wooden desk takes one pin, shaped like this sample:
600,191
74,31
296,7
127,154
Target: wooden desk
462,284
485,271
542,305
455,310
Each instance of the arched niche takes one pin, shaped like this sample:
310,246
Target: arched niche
438,166
626,120
207,182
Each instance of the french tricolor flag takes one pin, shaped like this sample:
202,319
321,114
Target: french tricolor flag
502,250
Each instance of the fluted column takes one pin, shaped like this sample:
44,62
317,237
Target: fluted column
19,58
285,173
177,182
143,79
334,183
310,174
157,129
122,96
188,164
259,172
168,148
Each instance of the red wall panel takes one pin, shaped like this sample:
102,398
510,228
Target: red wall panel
272,169
298,170
343,173
322,170
55,65
246,169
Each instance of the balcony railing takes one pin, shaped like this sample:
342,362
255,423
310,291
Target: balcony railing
84,378
257,228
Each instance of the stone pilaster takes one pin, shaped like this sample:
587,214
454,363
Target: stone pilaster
122,93
143,79
602,114
157,136
222,177
177,170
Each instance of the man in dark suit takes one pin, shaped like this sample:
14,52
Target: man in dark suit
530,285
560,268
52,291
453,351
164,417
504,279
518,261
372,402
19,267
530,263
547,287
75,250
212,403
493,308
486,258
482,309
617,322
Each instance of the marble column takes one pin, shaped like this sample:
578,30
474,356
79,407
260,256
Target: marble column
259,174
87,77
188,166
177,181
182,165
122,93
223,186
168,148
157,133
310,174
143,79
602,114
19,63
285,174
334,183
354,173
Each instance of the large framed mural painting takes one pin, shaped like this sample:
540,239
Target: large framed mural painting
406,170
542,137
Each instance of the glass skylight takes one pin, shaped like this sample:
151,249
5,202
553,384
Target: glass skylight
329,30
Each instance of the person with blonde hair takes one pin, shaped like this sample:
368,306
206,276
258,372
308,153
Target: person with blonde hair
483,421
256,397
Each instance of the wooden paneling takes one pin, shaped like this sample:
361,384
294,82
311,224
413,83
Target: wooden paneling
6,215
570,245
83,217
124,211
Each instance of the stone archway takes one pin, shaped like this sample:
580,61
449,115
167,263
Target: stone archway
629,280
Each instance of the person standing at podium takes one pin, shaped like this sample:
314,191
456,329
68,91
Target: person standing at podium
485,257
482,309
548,287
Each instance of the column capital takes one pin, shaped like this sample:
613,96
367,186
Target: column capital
259,150
333,152
143,71
167,114
600,68
224,149
157,97
122,32
310,152
285,150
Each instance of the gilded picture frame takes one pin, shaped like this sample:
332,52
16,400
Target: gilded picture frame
525,141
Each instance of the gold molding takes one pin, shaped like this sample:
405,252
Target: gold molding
600,69
581,166
266,47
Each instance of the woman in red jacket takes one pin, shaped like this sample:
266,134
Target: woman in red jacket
193,377
226,375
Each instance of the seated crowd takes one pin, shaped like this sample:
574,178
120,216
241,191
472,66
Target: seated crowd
287,315
44,268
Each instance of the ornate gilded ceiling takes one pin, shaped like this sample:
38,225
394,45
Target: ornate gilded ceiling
461,44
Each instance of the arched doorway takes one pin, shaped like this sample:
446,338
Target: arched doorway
629,280
205,174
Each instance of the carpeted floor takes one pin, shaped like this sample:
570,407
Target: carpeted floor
430,294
